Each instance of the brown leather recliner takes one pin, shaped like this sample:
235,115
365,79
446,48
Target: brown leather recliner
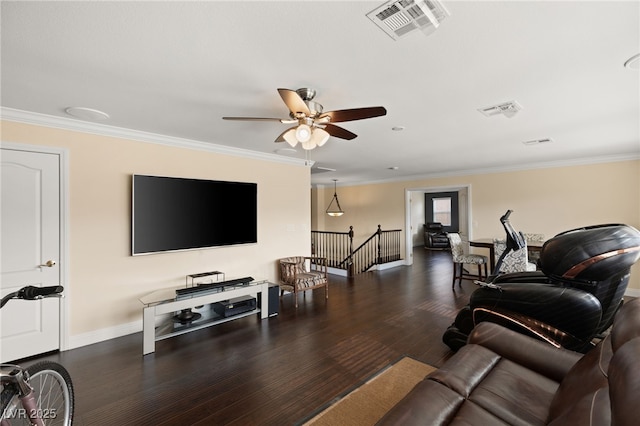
503,377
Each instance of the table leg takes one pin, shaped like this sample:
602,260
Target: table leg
148,330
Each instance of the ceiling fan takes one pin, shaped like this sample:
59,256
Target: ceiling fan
312,126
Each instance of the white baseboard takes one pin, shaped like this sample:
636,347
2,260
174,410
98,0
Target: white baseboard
632,292
384,266
103,334
336,271
388,265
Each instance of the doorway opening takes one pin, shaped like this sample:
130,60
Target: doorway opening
416,202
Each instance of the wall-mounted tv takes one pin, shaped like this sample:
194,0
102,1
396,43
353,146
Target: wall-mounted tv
170,214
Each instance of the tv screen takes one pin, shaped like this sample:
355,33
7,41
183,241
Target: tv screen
170,214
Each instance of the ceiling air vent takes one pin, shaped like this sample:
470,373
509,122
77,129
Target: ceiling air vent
508,109
538,141
397,18
319,169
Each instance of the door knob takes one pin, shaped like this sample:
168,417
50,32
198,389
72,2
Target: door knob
49,264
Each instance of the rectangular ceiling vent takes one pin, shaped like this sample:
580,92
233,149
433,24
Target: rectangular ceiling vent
397,18
508,109
318,169
538,141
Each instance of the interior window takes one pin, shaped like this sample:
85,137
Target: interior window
442,210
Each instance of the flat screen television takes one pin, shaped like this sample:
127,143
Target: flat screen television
171,214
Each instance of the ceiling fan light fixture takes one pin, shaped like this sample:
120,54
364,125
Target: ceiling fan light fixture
308,145
320,136
303,133
290,137
313,127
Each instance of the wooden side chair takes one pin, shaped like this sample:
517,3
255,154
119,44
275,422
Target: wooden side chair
460,259
296,277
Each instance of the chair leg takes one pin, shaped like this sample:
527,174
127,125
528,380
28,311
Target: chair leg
453,283
479,272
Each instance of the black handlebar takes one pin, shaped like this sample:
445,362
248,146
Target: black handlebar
32,293
505,217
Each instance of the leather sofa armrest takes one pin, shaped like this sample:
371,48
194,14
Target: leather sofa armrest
536,355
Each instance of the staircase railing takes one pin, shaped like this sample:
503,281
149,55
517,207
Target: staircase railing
381,247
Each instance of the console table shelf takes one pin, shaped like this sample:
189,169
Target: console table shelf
171,328
164,302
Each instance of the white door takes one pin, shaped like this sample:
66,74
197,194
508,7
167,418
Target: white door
30,237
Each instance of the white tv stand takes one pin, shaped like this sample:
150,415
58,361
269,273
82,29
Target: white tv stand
164,302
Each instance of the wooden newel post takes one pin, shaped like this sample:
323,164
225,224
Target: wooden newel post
350,271
379,232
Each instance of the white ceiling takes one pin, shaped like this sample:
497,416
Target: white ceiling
175,68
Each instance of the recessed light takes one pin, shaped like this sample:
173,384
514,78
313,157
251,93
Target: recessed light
397,128
393,168
633,62
87,113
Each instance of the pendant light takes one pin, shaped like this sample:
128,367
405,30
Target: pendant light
337,210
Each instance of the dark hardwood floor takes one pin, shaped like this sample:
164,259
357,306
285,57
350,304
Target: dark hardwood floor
277,371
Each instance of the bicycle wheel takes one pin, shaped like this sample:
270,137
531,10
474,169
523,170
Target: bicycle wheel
53,389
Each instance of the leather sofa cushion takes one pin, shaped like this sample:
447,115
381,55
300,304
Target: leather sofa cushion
531,353
431,403
465,369
510,392
515,394
592,409
584,380
624,384
626,324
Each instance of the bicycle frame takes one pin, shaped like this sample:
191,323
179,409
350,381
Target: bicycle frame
19,401
14,376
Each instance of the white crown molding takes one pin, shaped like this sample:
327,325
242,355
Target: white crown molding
502,169
64,123
27,117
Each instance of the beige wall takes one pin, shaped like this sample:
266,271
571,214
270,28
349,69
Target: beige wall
545,201
104,280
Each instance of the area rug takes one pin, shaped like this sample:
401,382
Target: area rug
367,404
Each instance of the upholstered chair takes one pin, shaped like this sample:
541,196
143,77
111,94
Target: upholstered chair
515,261
460,258
534,255
296,276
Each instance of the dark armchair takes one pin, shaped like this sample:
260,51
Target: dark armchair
434,236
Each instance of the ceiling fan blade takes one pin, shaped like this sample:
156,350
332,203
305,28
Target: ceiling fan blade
354,114
294,102
339,132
